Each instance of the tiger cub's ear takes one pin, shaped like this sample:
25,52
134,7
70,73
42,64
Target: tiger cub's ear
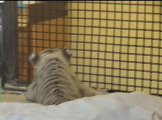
33,58
67,53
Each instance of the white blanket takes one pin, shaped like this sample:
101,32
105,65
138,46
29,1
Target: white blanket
115,106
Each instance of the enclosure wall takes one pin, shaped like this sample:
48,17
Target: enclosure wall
116,44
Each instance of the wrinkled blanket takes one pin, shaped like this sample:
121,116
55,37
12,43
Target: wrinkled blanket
114,106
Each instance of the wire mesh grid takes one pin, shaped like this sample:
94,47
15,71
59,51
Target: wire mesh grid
116,44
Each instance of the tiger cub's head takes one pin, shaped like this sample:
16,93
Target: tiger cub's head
44,56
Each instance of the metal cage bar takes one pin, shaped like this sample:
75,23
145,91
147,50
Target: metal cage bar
116,44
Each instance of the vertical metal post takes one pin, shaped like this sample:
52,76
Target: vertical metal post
8,42
0,46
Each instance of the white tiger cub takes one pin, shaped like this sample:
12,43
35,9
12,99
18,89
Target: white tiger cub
54,83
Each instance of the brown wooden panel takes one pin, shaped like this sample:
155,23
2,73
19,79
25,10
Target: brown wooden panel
41,26
35,38
46,10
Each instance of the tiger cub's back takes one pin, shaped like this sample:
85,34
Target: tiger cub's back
53,82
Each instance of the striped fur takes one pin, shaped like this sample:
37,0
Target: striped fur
54,83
